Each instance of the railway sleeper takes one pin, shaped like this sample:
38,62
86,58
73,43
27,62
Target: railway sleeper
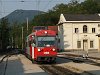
58,70
47,59
65,71
78,60
51,70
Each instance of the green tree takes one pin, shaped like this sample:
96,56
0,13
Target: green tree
15,35
74,7
4,33
90,6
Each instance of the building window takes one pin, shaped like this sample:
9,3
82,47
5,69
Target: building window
93,30
91,44
84,29
76,30
98,25
78,44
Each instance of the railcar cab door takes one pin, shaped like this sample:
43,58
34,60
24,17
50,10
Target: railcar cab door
32,41
33,45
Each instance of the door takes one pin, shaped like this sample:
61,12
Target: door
85,45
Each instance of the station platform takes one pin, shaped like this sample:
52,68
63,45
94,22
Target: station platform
92,53
84,68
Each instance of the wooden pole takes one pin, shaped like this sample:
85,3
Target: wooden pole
22,38
27,26
12,42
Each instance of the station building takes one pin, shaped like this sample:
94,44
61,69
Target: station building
79,31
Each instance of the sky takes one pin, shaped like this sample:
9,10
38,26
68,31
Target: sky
8,6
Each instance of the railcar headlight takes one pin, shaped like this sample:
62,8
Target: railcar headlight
45,32
54,49
39,50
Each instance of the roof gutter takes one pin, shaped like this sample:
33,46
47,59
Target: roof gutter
78,22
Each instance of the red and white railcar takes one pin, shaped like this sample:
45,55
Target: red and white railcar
42,45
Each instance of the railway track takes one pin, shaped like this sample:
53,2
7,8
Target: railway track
6,63
79,58
7,55
57,70
54,69
5,59
74,55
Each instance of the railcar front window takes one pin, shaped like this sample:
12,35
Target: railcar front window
43,41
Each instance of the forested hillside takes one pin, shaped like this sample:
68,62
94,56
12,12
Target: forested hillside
20,16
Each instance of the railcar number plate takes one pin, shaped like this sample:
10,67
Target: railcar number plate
46,52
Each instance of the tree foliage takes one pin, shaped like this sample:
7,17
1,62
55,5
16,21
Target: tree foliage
91,6
4,33
74,7
15,35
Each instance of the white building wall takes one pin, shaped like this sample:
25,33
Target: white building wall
89,35
62,19
99,28
69,38
60,35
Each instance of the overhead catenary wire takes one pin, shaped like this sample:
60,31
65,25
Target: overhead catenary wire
39,4
0,7
47,4
31,1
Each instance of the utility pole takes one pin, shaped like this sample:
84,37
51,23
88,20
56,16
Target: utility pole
0,38
22,38
1,28
12,42
27,26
